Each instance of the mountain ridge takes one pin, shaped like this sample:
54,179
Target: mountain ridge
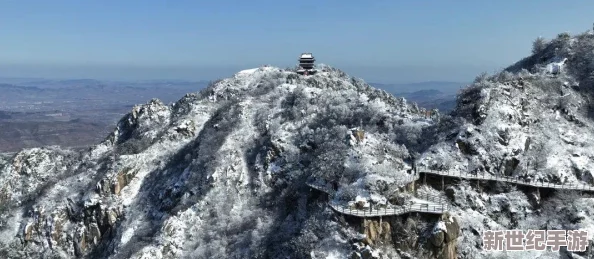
223,172
178,139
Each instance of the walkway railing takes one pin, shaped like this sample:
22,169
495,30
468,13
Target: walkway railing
513,180
430,197
399,210
426,203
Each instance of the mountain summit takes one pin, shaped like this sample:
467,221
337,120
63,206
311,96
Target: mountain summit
272,164
218,174
532,122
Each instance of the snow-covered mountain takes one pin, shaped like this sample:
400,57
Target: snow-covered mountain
532,122
224,173
218,174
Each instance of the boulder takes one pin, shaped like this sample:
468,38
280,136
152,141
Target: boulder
355,255
398,199
377,231
443,240
367,253
465,147
360,205
437,239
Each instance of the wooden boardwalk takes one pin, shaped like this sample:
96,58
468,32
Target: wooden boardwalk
424,203
512,180
427,203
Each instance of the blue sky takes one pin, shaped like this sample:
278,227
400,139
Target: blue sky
381,41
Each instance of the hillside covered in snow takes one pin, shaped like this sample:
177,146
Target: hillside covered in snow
218,174
224,173
533,122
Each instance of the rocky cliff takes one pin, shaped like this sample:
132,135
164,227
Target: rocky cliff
222,173
218,174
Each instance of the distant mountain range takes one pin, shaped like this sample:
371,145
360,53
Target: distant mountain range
443,86
431,94
90,83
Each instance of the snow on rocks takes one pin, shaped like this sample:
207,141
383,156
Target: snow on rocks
440,226
29,170
362,202
247,72
556,67
209,174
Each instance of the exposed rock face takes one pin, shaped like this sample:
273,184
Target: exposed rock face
377,232
122,179
405,235
225,164
533,121
399,198
221,173
443,240
359,135
364,251
510,165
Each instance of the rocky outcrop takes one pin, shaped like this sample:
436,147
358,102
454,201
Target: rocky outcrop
122,179
398,198
202,180
443,240
80,228
117,182
377,231
405,234
363,251
156,169
356,137
510,166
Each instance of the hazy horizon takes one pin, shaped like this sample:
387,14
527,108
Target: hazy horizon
379,41
118,73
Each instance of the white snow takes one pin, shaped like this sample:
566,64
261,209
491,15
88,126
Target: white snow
306,55
247,72
217,219
128,234
440,227
556,67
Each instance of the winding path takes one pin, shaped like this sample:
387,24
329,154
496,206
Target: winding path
512,180
427,203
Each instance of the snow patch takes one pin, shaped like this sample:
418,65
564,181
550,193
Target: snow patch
440,227
247,72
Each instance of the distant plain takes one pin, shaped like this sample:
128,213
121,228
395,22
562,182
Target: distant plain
81,112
